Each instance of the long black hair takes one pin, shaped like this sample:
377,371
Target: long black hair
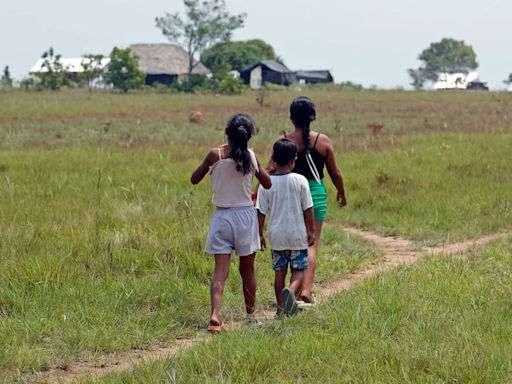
240,129
302,113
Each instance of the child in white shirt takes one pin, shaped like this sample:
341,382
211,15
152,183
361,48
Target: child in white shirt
291,225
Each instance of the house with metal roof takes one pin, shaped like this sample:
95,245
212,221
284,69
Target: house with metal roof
72,65
270,71
314,77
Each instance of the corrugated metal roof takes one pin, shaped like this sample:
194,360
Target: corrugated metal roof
72,65
273,65
314,74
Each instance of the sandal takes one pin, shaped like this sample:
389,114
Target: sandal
307,300
302,305
290,303
216,326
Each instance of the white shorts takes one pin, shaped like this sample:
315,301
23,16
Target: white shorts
234,229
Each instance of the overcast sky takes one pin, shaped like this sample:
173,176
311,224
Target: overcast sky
365,41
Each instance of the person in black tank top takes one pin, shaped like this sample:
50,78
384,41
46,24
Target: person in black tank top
301,164
311,161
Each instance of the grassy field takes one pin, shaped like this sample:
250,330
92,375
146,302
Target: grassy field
441,321
103,250
102,235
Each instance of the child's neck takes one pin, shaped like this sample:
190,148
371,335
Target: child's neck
283,169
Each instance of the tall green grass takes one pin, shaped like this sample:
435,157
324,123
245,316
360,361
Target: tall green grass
103,250
432,188
443,320
102,235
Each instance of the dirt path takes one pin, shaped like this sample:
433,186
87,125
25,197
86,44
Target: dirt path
396,251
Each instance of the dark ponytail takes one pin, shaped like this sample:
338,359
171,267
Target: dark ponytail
302,113
240,129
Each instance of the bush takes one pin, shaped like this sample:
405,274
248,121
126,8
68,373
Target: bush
231,86
194,83
274,87
350,86
123,71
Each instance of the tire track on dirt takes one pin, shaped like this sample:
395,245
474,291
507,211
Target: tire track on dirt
396,250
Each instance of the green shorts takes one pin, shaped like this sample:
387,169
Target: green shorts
319,194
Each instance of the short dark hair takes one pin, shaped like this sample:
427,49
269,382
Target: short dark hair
284,151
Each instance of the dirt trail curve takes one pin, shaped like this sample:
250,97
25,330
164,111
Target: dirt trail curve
396,251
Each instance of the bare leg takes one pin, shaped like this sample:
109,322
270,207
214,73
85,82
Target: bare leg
309,274
249,281
279,283
296,280
220,274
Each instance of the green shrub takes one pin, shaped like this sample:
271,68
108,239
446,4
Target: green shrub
231,86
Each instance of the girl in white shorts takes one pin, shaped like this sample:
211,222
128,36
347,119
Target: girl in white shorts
234,224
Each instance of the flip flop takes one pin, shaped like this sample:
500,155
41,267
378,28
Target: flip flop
215,327
290,303
302,305
307,300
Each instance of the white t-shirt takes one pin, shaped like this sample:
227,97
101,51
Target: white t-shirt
286,200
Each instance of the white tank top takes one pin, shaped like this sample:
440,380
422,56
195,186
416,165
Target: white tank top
231,188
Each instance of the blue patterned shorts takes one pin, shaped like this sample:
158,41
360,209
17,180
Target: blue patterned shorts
298,259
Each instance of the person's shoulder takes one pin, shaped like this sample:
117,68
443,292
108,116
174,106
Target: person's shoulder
322,137
254,159
323,144
213,155
299,178
251,153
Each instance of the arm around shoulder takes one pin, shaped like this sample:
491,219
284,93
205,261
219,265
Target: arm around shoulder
263,177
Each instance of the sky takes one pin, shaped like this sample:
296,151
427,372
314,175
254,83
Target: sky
370,42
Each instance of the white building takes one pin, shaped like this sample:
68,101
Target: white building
72,65
455,80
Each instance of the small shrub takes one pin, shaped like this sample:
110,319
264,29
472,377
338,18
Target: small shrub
231,86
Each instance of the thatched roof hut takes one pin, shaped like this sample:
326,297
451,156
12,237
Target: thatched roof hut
164,63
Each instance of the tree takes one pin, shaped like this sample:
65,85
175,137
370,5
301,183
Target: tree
123,71
93,69
447,56
52,74
418,77
236,54
6,80
509,80
207,23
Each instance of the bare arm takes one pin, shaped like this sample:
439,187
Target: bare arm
335,173
263,177
204,167
261,222
271,167
309,219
